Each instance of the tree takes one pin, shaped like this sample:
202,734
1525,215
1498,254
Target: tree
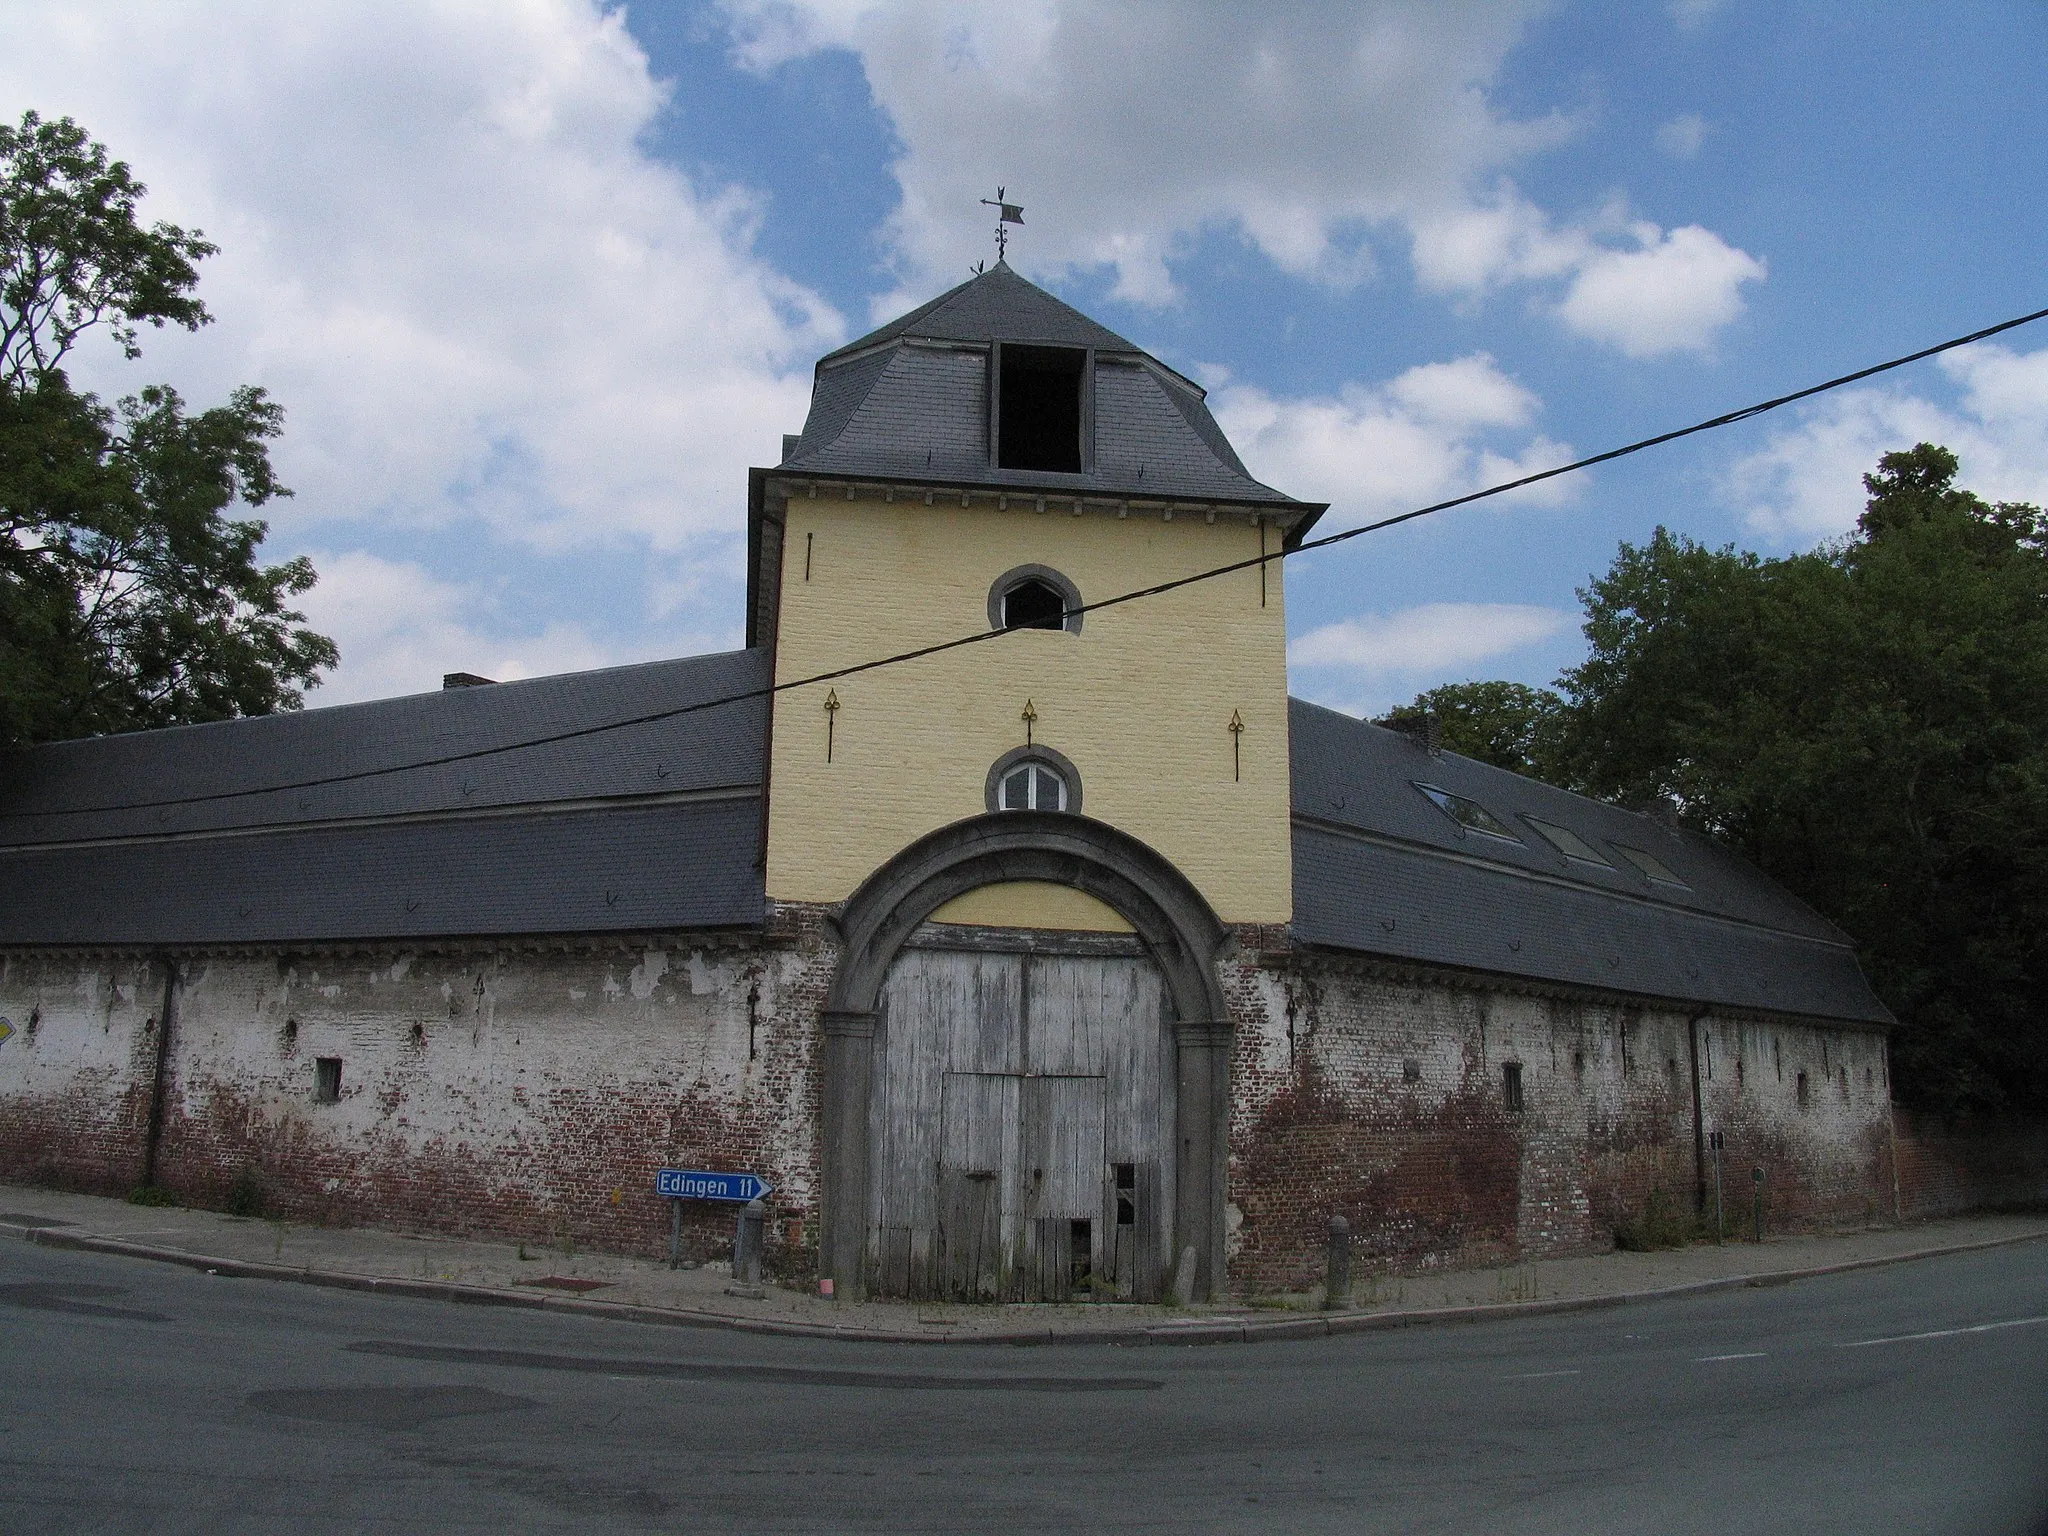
128,596
1869,723
1509,725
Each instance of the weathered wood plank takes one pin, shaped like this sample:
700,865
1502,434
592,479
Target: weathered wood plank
1010,1087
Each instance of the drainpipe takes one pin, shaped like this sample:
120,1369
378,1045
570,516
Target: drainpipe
166,1021
1699,1126
1891,1130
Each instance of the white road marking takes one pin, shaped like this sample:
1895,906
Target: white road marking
1945,1333
1538,1375
1715,1359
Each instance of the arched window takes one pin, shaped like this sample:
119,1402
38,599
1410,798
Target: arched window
1034,786
1034,605
1033,779
1034,597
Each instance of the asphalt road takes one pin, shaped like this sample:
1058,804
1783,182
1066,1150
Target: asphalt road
139,1397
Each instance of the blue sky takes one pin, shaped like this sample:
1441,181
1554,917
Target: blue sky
537,281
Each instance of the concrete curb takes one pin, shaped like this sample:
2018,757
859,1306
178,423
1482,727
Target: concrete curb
1194,1331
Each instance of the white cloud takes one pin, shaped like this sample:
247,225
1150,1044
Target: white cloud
400,628
1426,436
1682,137
1367,663
1673,293
1806,483
1694,14
1130,129
445,250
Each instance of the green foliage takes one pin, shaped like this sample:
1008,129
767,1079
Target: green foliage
152,1195
245,1195
1869,723
129,597
72,255
1509,725
1661,1223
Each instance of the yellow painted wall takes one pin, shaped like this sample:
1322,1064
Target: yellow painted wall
1032,904
1140,700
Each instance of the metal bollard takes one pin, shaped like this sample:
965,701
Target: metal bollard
1337,1275
746,1250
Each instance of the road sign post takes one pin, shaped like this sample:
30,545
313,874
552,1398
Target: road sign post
675,1185
702,1184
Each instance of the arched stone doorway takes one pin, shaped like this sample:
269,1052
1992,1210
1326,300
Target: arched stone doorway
1180,939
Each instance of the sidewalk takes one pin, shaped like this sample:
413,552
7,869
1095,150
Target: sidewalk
643,1290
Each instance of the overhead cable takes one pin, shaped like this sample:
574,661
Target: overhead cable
980,637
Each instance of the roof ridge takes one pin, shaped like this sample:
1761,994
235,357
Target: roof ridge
1004,286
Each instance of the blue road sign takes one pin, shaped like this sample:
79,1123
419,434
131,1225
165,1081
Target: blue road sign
694,1184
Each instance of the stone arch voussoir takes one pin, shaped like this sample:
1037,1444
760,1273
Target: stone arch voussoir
1170,916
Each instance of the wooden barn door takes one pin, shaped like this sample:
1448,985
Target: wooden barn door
1020,1123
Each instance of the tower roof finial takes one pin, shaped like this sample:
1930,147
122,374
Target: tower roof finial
1006,213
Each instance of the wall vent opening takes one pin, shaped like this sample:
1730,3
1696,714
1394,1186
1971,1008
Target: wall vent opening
326,1079
1511,1084
1126,1194
1039,409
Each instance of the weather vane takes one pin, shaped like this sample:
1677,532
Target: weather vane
1006,213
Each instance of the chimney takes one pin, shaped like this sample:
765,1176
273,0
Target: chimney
1426,731
1662,809
465,680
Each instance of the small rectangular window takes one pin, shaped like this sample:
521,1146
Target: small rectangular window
1038,411
1469,814
1511,1084
1126,1194
1568,842
1650,865
326,1079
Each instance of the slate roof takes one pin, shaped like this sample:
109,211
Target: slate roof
997,305
910,402
1378,868
214,834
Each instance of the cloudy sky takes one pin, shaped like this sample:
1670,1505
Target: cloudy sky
537,280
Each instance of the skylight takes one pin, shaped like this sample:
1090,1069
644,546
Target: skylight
1650,865
1469,814
1567,842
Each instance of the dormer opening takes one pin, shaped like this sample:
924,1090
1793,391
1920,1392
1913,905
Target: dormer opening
1038,408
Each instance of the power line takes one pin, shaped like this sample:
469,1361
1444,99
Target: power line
981,636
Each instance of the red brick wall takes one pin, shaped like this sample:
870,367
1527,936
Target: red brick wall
1947,1169
1363,1093
527,1094
510,1092
75,1076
